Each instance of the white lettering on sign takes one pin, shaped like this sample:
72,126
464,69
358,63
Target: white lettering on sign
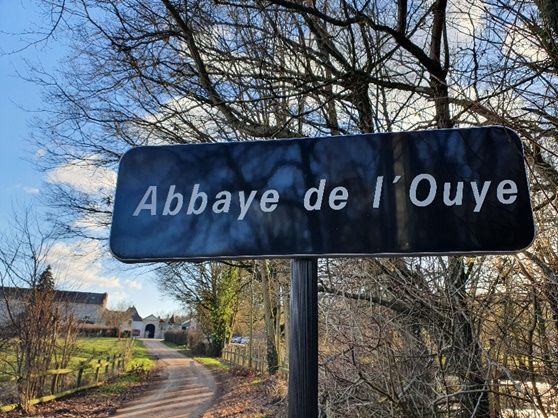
314,197
457,199
309,196
223,202
245,203
424,190
170,197
479,196
507,192
269,200
431,192
150,193
199,201
338,198
196,197
378,192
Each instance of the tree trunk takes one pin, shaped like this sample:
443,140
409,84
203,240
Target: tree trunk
467,352
271,347
474,380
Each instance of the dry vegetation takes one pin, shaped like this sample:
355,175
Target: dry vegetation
243,393
97,403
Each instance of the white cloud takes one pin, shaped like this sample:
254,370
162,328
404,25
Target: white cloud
90,223
116,299
133,284
40,153
78,265
520,42
30,190
84,177
465,18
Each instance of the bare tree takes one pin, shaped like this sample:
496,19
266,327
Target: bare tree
211,290
436,332
119,317
36,326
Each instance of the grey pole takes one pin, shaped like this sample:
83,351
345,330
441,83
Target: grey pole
303,342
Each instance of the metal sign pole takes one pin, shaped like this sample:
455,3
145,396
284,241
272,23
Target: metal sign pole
303,342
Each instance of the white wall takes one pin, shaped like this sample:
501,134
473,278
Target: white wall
81,311
139,325
86,312
14,306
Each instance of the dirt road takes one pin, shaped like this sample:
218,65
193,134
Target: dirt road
183,389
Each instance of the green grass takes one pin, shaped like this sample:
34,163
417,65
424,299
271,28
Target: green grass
141,361
182,349
121,384
91,349
173,345
211,362
7,359
96,345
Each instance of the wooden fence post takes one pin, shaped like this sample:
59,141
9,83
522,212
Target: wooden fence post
97,370
53,384
107,367
79,376
62,384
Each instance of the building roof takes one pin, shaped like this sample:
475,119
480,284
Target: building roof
69,296
84,326
134,314
151,318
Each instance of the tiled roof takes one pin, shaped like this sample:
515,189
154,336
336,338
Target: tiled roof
69,296
134,312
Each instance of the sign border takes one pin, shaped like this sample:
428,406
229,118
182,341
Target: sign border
329,255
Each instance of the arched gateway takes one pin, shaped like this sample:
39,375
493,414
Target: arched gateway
149,331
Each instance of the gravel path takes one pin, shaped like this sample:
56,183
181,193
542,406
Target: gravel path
183,389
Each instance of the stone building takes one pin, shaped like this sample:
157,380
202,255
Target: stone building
90,309
86,307
149,327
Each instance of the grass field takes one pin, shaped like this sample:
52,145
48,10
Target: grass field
93,348
87,353
173,345
140,358
183,349
212,362
89,350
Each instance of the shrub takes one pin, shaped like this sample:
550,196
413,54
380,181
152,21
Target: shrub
178,337
199,349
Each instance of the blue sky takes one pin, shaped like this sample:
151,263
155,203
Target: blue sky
21,182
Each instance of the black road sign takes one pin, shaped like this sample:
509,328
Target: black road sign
451,191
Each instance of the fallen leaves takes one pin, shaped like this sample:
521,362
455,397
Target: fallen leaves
243,393
95,403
